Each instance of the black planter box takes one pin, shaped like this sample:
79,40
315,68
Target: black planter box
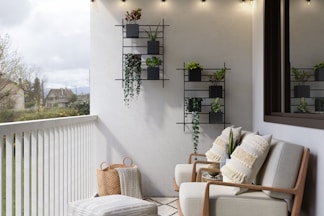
191,108
153,47
302,91
319,74
153,73
194,75
319,104
215,91
132,30
215,118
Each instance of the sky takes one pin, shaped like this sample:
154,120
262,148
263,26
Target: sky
53,35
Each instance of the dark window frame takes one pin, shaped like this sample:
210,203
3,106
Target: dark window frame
274,50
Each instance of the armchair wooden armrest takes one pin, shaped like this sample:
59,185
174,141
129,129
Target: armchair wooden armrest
201,170
248,186
194,169
297,191
190,160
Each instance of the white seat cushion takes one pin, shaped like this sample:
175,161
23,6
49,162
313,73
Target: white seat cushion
112,205
223,201
183,172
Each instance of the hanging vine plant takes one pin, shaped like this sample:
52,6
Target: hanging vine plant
132,82
196,107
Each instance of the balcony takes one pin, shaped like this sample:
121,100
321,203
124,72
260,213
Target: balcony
45,164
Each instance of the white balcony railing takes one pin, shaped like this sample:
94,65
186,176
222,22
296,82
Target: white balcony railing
45,164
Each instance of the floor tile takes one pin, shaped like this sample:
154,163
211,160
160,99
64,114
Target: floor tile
166,205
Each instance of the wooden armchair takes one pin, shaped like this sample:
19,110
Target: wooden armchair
278,189
297,191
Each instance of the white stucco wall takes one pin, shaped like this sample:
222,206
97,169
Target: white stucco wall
312,138
219,32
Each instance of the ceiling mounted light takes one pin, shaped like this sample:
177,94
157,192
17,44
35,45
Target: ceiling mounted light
251,1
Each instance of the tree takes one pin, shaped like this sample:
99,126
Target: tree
13,72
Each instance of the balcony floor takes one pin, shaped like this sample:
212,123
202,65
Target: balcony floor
167,206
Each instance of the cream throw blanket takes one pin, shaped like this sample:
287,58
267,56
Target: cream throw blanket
130,182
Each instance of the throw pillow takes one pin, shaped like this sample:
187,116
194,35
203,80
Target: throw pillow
216,152
246,160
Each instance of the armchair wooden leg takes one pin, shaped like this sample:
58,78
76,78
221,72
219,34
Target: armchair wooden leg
179,208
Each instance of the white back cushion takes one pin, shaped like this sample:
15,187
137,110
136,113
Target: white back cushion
281,167
246,160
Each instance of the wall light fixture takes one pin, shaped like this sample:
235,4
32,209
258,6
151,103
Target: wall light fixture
123,1
308,2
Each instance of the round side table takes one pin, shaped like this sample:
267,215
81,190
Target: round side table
206,177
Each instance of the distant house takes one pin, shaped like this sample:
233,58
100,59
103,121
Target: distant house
11,95
59,97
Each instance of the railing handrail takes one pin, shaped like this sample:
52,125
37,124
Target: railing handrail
45,123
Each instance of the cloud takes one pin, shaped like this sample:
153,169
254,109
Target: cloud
14,12
78,77
55,36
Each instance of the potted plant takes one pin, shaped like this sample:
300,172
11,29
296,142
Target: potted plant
153,69
194,104
132,79
302,106
216,114
319,104
195,109
319,71
194,71
132,28
231,144
215,90
301,76
153,45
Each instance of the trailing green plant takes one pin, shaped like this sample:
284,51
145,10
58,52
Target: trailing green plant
302,106
152,35
193,65
216,106
132,79
153,61
319,66
300,76
231,144
194,121
218,75
133,16
319,102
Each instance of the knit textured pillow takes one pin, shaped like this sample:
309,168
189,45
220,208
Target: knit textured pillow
216,152
246,160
